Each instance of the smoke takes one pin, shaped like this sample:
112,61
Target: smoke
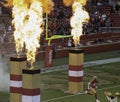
4,75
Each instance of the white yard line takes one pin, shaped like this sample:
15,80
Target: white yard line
99,62
86,64
78,94
108,87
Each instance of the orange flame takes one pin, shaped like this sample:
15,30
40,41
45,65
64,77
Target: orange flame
79,17
28,23
8,4
68,2
47,5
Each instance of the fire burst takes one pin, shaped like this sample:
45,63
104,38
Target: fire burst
79,17
28,24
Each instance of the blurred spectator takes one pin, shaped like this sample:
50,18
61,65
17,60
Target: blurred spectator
59,18
53,51
0,10
117,7
69,42
108,22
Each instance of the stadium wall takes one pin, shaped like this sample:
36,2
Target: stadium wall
109,46
114,44
87,50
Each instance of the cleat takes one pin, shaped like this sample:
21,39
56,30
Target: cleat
86,92
97,100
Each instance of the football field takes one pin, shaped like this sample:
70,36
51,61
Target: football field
54,84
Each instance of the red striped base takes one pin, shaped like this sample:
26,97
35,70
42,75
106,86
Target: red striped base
15,83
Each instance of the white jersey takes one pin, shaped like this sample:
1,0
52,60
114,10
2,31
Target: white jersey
112,100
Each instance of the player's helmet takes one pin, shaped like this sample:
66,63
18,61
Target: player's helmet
109,93
117,94
94,77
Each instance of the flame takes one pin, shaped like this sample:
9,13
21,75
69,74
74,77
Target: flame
68,2
8,4
19,12
32,30
47,6
79,17
28,23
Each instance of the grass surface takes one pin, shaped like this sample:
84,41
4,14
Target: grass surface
54,84
87,57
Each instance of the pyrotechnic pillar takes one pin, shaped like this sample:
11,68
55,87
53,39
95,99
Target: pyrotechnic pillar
75,84
48,56
16,65
31,85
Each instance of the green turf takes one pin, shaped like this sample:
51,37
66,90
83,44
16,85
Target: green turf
4,96
54,84
102,55
87,57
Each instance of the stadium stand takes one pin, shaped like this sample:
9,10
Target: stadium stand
104,23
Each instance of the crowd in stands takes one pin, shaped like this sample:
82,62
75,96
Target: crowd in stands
59,23
100,12
100,15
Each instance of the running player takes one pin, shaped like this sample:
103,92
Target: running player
92,85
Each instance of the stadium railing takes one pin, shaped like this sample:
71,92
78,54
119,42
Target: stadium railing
110,29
